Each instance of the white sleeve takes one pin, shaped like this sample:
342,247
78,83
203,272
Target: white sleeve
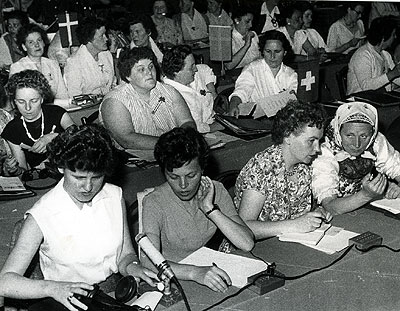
325,175
388,158
245,84
300,36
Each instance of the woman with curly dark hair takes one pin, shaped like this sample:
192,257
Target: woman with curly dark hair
183,214
140,110
273,190
143,32
91,69
37,124
32,38
79,227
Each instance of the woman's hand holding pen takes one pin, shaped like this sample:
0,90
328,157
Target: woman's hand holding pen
307,222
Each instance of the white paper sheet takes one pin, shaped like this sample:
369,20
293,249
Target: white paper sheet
272,104
334,240
390,205
150,299
238,268
311,238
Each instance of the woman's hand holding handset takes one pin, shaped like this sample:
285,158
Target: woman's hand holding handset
64,292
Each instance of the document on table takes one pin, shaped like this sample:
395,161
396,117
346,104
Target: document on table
238,268
272,104
390,205
334,240
148,299
11,184
311,238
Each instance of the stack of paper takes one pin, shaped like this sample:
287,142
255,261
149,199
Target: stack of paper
12,188
238,268
390,205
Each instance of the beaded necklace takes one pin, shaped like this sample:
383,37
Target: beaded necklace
27,131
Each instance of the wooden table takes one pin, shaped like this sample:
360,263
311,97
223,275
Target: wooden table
360,281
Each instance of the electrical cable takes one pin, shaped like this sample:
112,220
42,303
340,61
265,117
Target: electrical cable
279,276
175,280
311,271
378,246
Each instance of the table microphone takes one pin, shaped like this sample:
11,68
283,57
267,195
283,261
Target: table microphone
155,256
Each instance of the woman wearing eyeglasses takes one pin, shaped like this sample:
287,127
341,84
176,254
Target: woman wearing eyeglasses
37,124
346,34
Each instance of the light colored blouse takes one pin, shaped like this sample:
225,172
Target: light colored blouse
257,81
339,34
368,70
300,36
49,68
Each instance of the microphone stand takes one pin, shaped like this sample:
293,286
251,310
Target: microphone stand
170,296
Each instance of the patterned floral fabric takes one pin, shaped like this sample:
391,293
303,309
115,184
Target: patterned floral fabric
284,199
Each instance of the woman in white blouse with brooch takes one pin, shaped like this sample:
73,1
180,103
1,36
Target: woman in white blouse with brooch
32,38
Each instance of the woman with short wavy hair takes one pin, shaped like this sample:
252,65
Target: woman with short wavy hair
37,123
32,38
273,190
91,69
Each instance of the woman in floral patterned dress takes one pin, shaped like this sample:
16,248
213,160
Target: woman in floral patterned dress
273,190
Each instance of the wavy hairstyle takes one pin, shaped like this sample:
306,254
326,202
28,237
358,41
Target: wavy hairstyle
30,79
180,146
294,116
25,31
87,29
279,36
174,60
85,148
129,57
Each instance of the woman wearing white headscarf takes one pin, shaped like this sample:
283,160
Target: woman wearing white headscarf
342,178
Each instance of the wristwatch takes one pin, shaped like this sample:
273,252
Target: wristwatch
215,208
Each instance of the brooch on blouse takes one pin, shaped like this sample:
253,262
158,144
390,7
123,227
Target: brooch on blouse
160,101
203,92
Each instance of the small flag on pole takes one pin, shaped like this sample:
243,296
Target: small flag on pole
67,23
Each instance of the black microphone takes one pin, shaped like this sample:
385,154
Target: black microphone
155,256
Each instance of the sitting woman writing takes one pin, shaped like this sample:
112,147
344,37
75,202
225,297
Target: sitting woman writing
342,179
273,190
183,214
38,124
71,259
267,76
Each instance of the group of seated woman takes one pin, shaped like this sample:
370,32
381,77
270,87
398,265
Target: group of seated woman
273,195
